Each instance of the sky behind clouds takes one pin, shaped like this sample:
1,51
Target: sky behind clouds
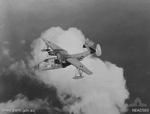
120,26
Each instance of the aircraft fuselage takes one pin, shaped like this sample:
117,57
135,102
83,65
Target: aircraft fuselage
60,60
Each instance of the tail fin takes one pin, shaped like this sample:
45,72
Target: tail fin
89,45
89,42
98,50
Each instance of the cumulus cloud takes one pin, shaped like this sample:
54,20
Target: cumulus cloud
103,92
22,104
19,67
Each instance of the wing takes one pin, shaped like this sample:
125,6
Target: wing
53,46
79,65
80,56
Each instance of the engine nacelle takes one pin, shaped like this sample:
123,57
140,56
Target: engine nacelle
45,50
51,53
84,46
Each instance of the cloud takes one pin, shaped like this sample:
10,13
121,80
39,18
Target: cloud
19,67
103,92
21,104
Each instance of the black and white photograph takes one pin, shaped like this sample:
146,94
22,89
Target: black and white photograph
74,56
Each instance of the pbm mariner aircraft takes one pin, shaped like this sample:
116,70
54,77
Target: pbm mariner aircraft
59,58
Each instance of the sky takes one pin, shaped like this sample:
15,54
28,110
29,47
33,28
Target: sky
120,27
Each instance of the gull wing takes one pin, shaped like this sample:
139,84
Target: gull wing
79,65
53,46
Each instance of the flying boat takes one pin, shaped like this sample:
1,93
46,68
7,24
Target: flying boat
60,58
